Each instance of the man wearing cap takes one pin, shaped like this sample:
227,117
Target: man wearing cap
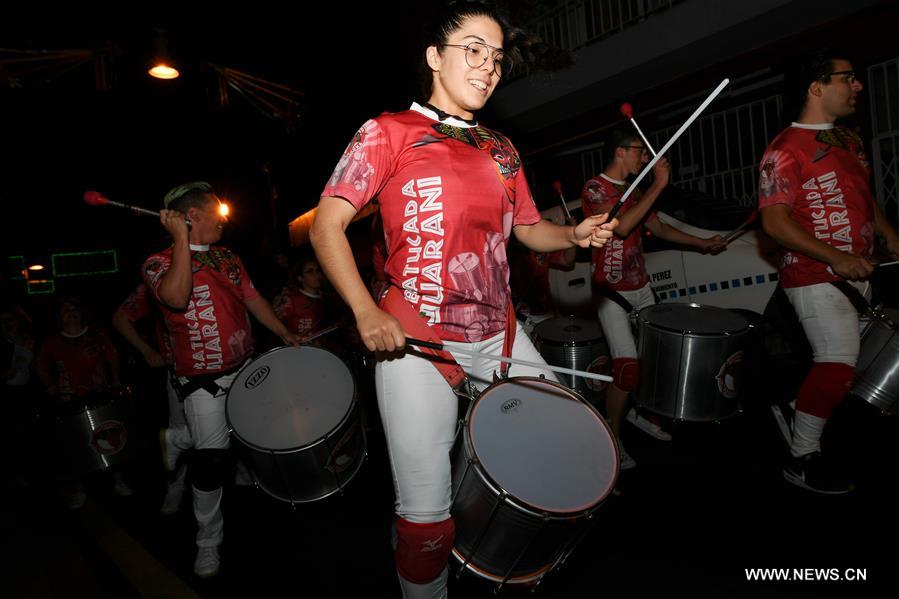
205,295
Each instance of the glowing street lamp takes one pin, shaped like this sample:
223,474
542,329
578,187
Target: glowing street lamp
163,71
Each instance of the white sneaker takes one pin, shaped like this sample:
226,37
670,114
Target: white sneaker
627,462
172,501
647,426
207,563
122,489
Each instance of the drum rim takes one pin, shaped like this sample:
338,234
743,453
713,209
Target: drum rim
687,333
487,575
522,505
352,406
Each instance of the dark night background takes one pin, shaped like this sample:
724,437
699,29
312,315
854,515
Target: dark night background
698,512
62,136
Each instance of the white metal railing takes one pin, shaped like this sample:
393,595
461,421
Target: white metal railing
883,89
578,23
718,154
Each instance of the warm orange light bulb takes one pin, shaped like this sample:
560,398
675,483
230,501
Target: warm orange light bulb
36,267
224,210
163,71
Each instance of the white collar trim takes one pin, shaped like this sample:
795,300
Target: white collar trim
611,180
815,126
307,294
75,336
195,247
433,116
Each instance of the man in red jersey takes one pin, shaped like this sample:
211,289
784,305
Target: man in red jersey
620,279
205,295
815,201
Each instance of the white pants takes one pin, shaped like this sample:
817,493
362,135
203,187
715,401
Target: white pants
616,323
829,320
205,415
419,412
209,430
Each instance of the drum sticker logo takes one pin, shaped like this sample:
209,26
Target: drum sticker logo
257,376
109,437
511,406
598,366
727,375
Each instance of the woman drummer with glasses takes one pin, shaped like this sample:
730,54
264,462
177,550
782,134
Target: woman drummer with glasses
451,193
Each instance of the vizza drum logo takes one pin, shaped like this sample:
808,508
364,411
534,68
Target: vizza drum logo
257,376
511,406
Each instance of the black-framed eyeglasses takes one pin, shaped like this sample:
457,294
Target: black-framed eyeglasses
850,75
642,149
477,53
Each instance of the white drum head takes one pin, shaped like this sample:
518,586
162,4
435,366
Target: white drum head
543,446
568,331
290,397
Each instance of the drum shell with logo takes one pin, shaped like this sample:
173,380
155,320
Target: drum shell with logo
691,361
531,465
294,417
877,369
91,434
575,343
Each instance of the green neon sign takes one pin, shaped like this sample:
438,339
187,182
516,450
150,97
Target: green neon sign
80,264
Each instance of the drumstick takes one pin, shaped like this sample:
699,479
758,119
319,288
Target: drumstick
322,332
442,347
628,111
95,198
557,185
736,232
893,263
665,148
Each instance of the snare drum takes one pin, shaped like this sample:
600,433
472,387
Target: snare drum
532,464
293,414
576,343
877,370
691,359
91,434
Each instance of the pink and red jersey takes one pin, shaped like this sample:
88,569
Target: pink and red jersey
138,305
213,333
619,264
299,311
449,196
821,173
78,365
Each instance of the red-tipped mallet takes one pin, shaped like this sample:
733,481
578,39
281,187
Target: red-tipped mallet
739,230
557,185
95,198
666,147
628,111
